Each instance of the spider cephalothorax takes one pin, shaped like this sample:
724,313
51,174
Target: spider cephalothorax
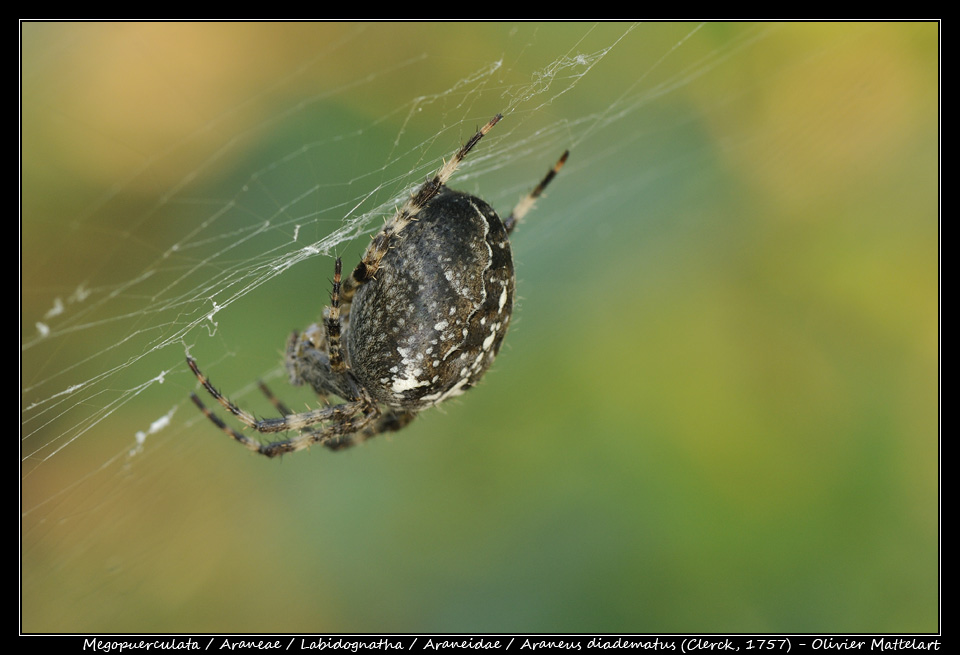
419,320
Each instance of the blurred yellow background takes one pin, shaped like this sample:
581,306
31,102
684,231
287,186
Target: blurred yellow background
717,407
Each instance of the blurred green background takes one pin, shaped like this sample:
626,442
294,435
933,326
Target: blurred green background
717,407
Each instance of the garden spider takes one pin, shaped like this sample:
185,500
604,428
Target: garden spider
419,320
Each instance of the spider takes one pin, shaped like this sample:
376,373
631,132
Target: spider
419,320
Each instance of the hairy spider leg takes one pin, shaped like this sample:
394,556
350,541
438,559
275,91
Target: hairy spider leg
342,417
368,266
335,436
281,424
332,324
278,404
526,204
390,421
281,407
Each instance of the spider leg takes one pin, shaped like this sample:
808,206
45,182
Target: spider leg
332,324
368,266
276,402
281,407
526,204
294,351
299,421
391,421
336,431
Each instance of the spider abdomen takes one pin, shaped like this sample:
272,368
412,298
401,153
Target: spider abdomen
431,322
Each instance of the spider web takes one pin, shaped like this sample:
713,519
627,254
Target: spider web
118,289
186,188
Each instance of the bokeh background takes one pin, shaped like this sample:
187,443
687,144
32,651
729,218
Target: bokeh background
717,407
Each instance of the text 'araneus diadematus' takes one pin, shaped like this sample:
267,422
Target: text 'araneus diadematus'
419,320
